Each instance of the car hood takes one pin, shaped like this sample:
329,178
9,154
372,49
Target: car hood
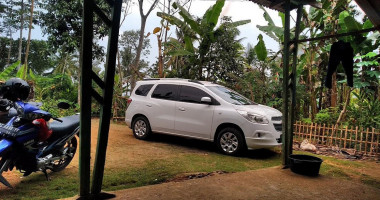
260,109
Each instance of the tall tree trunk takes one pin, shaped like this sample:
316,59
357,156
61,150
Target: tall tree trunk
120,69
28,43
10,37
21,28
333,92
160,59
10,48
311,84
343,112
263,79
141,40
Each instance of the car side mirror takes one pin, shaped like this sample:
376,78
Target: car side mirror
206,100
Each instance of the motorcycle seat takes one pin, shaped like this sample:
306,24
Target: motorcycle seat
67,126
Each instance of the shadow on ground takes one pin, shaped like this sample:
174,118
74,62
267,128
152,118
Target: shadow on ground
207,146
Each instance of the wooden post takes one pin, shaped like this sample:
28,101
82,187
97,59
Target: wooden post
356,137
286,144
377,145
351,130
299,129
372,144
293,76
366,141
319,132
323,132
345,138
302,130
307,131
105,113
336,134
331,136
85,99
361,138
341,139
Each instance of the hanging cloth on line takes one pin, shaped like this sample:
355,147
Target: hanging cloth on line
341,52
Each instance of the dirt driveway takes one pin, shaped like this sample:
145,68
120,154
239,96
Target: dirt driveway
125,152
270,183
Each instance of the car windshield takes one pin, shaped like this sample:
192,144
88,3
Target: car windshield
230,96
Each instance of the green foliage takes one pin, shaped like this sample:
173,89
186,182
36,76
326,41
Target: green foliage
260,49
4,75
306,120
271,29
52,89
63,23
180,24
50,105
128,44
367,74
327,116
41,56
187,17
322,118
211,16
225,60
204,31
55,87
364,111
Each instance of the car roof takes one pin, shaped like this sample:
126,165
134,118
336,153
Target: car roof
175,80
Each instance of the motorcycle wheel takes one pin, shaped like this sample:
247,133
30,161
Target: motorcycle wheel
61,164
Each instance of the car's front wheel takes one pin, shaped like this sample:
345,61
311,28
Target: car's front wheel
230,141
141,128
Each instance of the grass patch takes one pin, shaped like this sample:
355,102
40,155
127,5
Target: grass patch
35,186
370,181
333,171
66,183
161,170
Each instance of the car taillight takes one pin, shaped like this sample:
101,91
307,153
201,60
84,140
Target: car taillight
129,101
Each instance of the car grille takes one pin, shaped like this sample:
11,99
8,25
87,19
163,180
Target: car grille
278,127
279,140
278,118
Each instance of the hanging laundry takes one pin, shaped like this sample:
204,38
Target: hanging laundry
341,52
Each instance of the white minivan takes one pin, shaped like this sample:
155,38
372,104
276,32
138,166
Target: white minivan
202,110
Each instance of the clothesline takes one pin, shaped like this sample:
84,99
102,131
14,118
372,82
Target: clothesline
336,35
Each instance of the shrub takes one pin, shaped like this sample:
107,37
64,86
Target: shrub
327,116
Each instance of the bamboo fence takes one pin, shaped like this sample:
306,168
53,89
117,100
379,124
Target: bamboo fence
364,141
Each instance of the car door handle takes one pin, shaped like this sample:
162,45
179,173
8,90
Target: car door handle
181,108
149,105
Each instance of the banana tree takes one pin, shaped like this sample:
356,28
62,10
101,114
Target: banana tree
201,29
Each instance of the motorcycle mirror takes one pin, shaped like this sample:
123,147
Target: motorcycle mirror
4,105
63,105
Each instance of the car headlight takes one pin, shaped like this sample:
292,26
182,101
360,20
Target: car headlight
255,118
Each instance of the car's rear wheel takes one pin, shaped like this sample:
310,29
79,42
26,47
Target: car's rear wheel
141,128
230,141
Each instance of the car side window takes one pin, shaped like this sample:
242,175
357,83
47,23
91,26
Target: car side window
143,90
191,94
165,91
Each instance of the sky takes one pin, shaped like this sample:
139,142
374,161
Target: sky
237,9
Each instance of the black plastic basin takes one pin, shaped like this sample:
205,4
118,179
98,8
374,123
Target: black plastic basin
305,164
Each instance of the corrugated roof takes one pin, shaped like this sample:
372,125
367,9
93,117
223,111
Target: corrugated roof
371,9
279,5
